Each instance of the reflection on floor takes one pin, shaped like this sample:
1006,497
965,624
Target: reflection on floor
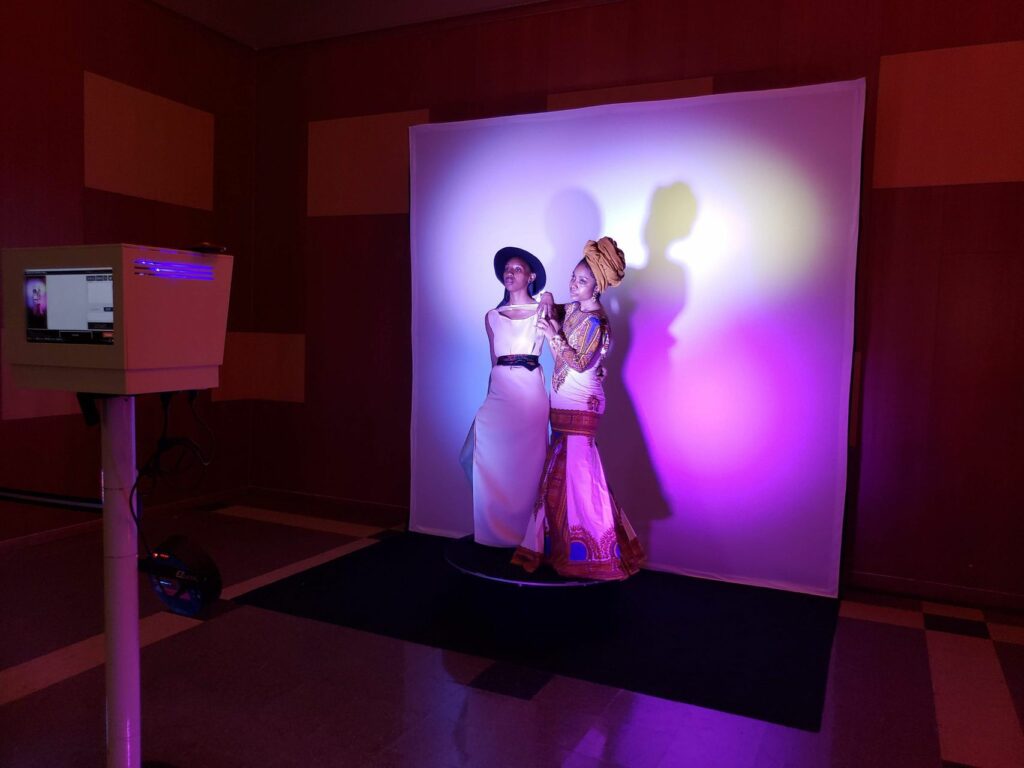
910,683
759,653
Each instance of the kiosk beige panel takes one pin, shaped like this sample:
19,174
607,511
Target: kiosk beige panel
22,403
169,320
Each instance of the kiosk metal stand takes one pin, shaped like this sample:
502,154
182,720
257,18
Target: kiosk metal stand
143,320
121,584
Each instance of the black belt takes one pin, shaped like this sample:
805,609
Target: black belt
529,362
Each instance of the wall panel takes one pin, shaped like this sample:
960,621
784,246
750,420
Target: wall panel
360,165
952,116
141,144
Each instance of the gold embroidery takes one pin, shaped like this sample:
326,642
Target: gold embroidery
561,367
615,554
572,422
572,348
592,549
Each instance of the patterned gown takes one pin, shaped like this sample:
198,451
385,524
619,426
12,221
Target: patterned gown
577,526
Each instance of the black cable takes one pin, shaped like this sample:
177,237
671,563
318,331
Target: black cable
192,396
184,452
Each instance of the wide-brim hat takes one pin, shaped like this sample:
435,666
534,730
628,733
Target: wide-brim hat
504,254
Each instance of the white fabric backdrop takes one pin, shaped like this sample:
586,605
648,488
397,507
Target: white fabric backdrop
728,389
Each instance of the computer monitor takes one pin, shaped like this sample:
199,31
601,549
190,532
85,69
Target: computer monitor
69,306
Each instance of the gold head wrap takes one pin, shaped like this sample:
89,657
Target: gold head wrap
606,261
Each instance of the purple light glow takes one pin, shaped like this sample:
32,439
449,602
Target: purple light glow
169,270
728,387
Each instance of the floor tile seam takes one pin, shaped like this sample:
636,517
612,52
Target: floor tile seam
999,633
951,714
337,515
298,520
295,520
1006,633
1004,630
370,756
952,611
33,675
51,534
937,702
888,615
956,626
248,585
41,672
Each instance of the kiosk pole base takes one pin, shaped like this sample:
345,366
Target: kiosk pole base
121,584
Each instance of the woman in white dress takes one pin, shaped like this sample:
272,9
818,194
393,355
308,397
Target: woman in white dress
577,526
504,452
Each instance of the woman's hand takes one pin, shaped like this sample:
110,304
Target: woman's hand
547,304
548,326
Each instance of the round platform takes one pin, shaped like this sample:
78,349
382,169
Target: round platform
495,564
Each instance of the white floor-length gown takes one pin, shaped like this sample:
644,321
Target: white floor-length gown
504,452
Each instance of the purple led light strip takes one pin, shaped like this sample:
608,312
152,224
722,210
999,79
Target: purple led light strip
170,270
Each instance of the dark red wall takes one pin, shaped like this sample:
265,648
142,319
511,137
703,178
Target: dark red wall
45,46
933,506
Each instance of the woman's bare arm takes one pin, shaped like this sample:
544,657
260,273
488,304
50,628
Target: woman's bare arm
490,337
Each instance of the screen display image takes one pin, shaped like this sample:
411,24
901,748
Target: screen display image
70,306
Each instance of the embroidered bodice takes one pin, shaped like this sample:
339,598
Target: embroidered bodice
582,343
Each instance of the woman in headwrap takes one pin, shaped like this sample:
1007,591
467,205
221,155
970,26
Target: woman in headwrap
587,532
504,452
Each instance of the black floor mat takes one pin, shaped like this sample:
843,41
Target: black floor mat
756,652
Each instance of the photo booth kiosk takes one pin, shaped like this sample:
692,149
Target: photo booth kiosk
116,320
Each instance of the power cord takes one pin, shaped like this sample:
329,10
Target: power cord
183,576
171,457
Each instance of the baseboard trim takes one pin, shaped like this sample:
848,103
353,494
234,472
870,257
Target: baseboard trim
935,591
322,497
40,499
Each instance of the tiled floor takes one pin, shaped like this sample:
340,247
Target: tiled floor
910,683
21,523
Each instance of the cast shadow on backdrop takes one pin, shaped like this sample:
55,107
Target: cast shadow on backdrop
641,311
